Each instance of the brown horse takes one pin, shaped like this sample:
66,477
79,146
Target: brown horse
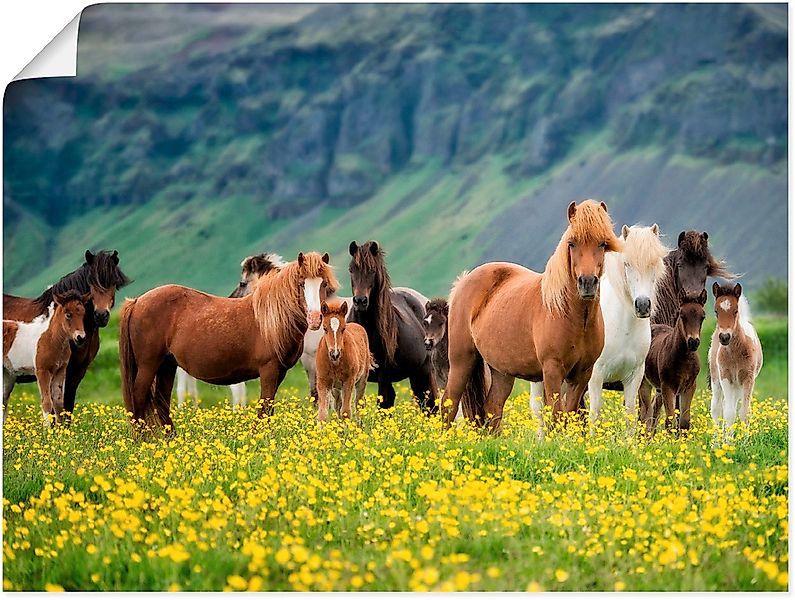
343,362
219,340
735,359
672,366
532,325
101,277
687,268
42,348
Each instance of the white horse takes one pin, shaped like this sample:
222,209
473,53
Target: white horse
627,299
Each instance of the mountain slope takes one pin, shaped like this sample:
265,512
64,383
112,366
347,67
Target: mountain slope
452,133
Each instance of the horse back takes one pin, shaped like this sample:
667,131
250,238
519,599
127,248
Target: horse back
17,308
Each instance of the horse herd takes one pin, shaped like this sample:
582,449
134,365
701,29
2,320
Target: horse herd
621,312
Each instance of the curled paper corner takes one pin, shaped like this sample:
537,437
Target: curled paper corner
58,58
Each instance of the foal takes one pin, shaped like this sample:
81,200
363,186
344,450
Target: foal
343,362
42,348
735,359
672,365
435,325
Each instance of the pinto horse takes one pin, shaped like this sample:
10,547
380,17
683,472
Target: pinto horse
688,267
219,340
101,277
532,325
392,318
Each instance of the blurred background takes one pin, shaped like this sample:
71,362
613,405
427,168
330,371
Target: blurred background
195,135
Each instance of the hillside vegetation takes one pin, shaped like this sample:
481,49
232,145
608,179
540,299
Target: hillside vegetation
454,134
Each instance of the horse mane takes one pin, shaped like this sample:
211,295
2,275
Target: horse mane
386,326
591,224
695,245
644,250
436,305
103,272
279,305
454,287
262,263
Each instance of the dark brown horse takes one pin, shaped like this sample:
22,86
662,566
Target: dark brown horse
100,276
219,340
393,321
672,366
533,325
687,268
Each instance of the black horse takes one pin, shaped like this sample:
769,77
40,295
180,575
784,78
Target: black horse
393,321
688,267
101,277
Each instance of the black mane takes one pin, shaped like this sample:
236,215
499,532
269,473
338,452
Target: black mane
103,272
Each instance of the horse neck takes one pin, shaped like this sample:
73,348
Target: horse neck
677,342
579,310
55,335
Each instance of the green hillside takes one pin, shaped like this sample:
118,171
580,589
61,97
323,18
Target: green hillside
453,134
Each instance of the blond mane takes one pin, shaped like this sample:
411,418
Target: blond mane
590,225
278,302
645,252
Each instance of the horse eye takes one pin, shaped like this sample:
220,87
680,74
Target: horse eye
603,245
68,316
571,244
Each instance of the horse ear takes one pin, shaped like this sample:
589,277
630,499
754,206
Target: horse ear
603,206
374,248
85,298
702,297
715,289
445,309
58,299
624,231
572,210
352,248
300,259
738,290
325,258
89,257
681,238
115,256
704,235
427,306
344,307
655,229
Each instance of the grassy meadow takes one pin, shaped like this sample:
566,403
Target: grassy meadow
232,502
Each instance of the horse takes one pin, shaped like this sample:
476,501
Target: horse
42,348
219,340
343,362
627,299
100,276
392,318
252,268
672,366
435,325
735,359
688,267
536,326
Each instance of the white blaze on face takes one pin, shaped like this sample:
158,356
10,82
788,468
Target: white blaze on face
312,297
428,319
335,327
725,304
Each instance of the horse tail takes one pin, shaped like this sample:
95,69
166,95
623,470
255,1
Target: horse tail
473,400
128,364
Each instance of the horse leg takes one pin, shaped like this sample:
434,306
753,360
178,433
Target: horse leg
731,399
386,391
595,396
8,386
463,358
745,405
553,380
646,408
631,387
182,384
423,386
537,405
311,376
345,410
574,397
76,370
44,379
669,401
57,393
238,394
142,392
361,385
193,387
501,387
271,375
163,387
716,408
323,399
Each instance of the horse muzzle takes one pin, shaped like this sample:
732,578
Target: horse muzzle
314,319
79,340
334,355
428,344
587,286
725,338
360,303
101,317
693,343
642,307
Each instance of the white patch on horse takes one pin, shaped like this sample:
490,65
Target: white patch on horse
428,319
726,304
312,294
335,327
22,354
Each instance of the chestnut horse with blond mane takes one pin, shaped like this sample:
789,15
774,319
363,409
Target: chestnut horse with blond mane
532,325
219,340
